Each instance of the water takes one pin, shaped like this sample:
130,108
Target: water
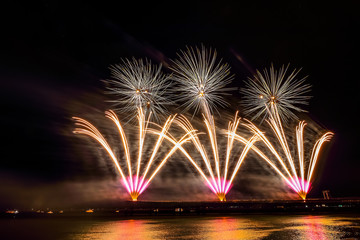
230,227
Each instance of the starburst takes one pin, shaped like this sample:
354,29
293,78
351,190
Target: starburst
139,84
201,79
278,88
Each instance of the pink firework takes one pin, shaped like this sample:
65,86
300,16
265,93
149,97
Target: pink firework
300,186
220,190
130,186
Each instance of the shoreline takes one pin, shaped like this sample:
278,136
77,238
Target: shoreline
129,209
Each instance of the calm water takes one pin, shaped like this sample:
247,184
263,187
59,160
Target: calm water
233,227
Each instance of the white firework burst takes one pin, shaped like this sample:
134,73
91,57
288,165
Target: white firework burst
275,89
200,79
139,84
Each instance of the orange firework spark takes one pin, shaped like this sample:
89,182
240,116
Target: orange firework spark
218,181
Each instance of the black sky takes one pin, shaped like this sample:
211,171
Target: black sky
54,54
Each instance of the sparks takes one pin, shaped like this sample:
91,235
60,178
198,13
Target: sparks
219,180
275,95
139,84
202,83
202,78
136,181
275,87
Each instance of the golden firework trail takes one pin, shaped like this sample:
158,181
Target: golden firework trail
137,181
217,175
293,172
274,94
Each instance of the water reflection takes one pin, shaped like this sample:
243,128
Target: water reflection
315,228
185,228
115,230
209,228
319,227
234,228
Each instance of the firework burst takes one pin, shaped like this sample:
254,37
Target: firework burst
139,84
273,87
275,94
201,79
202,82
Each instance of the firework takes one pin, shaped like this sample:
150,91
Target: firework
218,176
272,88
275,95
202,82
136,181
139,84
201,79
141,87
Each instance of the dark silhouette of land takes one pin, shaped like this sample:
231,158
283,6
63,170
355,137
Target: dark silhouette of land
143,208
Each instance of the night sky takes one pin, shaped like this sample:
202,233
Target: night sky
54,55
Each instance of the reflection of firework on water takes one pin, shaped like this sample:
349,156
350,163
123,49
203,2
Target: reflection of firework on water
134,181
202,83
277,94
275,87
138,84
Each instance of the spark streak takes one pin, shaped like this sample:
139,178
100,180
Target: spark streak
136,183
139,84
293,175
217,180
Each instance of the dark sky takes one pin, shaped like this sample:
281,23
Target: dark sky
53,56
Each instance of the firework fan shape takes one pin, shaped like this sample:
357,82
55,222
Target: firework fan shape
219,175
135,181
275,87
138,83
275,95
202,82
